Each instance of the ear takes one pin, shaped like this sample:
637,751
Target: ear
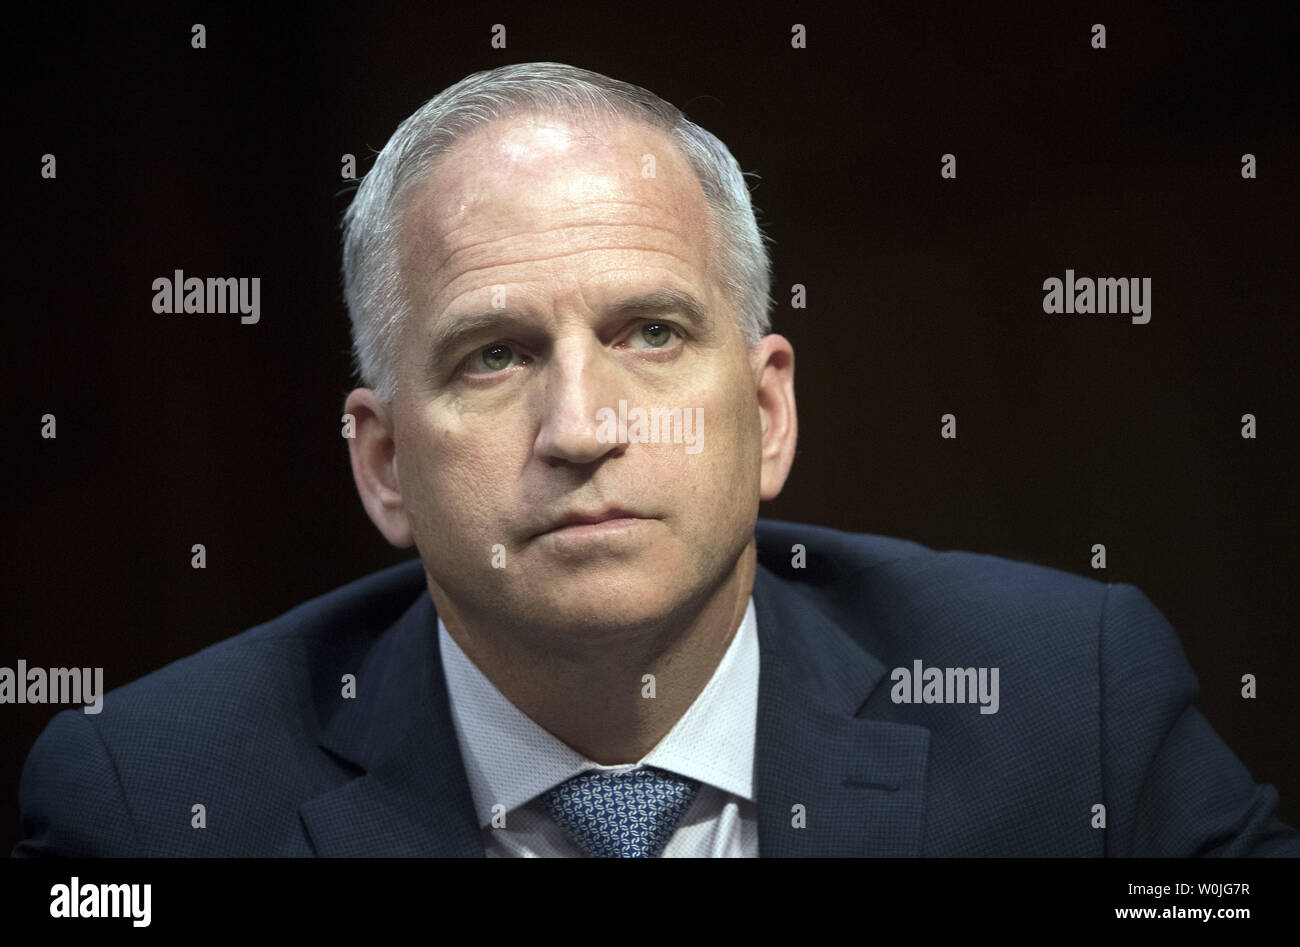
374,466
773,362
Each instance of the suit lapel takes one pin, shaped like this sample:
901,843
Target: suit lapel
861,782
413,798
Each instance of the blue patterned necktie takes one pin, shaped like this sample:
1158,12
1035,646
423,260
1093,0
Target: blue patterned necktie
631,814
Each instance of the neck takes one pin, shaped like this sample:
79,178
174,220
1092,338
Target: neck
596,700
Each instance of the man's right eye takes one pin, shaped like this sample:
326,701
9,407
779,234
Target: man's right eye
493,358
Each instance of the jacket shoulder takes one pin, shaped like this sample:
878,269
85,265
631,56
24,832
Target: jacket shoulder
116,782
273,657
897,587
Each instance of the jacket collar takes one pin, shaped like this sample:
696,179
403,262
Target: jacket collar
861,782
412,798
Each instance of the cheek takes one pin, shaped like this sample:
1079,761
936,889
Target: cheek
449,475
726,469
733,408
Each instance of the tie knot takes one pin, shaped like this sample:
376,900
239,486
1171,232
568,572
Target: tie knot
631,814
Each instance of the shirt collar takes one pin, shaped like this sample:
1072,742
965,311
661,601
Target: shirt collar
509,759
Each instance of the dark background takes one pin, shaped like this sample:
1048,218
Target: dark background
924,297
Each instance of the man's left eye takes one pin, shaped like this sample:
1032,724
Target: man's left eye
655,334
495,358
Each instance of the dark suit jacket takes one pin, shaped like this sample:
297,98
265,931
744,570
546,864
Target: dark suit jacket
1095,708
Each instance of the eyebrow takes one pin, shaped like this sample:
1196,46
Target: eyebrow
665,302
658,303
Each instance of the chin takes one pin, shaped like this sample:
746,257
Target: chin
594,603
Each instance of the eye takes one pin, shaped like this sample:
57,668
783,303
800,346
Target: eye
655,335
496,357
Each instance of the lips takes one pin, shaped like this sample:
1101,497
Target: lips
588,518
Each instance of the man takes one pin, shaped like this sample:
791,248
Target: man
572,408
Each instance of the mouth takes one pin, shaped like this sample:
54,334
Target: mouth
594,522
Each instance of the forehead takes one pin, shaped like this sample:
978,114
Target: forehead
540,187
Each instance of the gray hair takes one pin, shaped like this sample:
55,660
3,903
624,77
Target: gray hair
373,285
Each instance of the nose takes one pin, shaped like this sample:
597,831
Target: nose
579,382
